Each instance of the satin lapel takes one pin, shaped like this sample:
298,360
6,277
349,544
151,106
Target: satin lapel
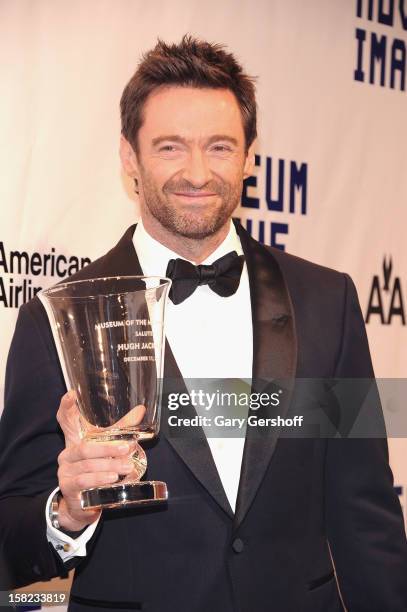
194,451
274,357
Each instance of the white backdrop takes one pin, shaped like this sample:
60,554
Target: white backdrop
332,131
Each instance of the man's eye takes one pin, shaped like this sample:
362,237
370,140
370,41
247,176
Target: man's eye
220,148
167,148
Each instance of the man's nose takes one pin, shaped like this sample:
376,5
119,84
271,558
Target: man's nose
196,170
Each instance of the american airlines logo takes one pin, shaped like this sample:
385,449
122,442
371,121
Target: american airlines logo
386,302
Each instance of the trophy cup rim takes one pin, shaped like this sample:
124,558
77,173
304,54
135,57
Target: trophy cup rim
54,291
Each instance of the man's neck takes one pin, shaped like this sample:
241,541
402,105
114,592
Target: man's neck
189,248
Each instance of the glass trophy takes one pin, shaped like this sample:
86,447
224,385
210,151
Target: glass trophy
110,338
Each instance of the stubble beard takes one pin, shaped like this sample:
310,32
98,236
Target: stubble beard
196,224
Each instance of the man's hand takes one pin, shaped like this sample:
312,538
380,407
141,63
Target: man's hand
84,464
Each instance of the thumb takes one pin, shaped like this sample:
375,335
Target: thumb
69,419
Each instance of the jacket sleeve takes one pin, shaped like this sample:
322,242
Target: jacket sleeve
363,515
30,442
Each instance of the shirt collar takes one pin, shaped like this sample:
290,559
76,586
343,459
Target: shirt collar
154,256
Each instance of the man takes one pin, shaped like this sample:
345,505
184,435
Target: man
250,528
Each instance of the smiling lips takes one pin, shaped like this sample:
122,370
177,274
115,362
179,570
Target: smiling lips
194,195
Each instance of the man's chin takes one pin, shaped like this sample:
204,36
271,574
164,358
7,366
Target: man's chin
195,232
195,227
192,224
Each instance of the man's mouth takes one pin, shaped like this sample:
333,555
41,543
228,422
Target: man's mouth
194,194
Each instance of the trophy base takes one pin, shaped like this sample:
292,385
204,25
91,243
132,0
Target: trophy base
124,494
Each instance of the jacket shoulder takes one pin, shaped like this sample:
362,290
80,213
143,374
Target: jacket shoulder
101,266
313,286
108,264
299,266
34,308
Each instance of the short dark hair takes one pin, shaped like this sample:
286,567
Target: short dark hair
191,63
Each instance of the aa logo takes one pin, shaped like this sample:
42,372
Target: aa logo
386,297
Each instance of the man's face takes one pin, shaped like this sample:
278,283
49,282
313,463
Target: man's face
191,159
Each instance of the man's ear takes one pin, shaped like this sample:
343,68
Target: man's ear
128,158
249,162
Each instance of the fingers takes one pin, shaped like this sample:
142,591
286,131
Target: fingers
99,463
84,464
95,450
115,466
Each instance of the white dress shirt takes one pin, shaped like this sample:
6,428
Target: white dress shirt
210,337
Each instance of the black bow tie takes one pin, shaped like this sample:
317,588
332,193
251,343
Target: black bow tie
223,276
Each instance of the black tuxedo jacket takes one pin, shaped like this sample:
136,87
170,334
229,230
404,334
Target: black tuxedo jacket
298,499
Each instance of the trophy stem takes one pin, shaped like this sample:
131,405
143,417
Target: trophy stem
139,459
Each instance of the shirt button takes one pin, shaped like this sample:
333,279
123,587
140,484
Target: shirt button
67,547
238,545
